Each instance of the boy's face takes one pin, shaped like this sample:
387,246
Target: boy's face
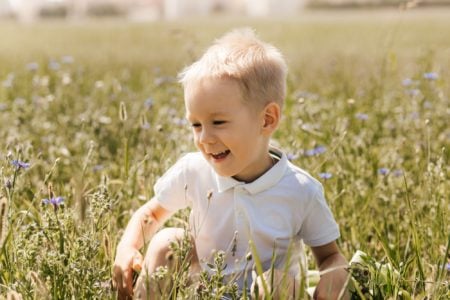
226,130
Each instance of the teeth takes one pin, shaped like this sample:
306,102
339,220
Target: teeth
220,153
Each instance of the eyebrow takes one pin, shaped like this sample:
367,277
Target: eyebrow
215,114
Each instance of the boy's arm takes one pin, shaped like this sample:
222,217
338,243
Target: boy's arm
143,224
332,264
141,227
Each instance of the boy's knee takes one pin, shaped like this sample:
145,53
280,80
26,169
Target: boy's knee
160,245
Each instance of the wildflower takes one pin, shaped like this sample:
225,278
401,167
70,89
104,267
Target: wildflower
414,115
104,120
383,171
67,59
427,105
148,103
448,267
163,80
316,151
53,65
292,156
362,116
180,121
306,95
413,92
407,82
20,164
325,175
99,84
397,173
66,80
431,75
97,168
9,81
32,66
8,184
143,122
20,101
55,201
3,106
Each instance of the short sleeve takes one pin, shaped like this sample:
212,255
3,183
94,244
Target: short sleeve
170,191
319,227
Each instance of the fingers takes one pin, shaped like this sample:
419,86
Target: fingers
137,261
126,261
128,282
123,283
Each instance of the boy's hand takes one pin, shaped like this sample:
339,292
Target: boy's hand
283,285
331,285
334,278
127,260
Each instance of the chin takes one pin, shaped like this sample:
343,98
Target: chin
223,173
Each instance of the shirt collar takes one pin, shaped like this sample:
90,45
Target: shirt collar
264,182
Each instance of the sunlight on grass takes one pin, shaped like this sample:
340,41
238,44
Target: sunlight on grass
91,115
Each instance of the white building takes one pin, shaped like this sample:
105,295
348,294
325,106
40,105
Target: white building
5,7
264,8
28,10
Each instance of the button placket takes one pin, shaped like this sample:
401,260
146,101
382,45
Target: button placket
240,219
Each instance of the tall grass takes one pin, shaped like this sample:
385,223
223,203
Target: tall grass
96,112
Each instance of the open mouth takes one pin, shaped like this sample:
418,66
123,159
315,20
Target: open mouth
220,155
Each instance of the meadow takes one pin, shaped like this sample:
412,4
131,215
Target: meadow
91,114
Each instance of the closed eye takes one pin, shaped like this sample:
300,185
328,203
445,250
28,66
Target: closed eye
219,122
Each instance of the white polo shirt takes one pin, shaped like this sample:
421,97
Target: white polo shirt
276,211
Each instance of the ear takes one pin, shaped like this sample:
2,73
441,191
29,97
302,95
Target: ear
271,118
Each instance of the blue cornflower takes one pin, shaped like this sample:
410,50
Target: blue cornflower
325,175
148,103
316,151
448,267
431,75
291,156
362,116
32,66
97,168
180,121
383,171
55,201
427,104
54,65
67,59
20,164
407,82
414,115
413,92
397,173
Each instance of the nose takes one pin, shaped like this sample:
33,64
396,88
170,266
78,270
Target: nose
206,136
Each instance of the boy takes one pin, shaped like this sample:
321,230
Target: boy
239,188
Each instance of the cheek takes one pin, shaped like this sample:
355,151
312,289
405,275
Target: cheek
195,138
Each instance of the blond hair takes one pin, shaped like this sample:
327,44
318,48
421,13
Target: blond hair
258,67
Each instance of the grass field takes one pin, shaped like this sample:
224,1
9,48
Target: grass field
91,112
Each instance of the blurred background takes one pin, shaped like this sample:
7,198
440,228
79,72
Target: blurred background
149,10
